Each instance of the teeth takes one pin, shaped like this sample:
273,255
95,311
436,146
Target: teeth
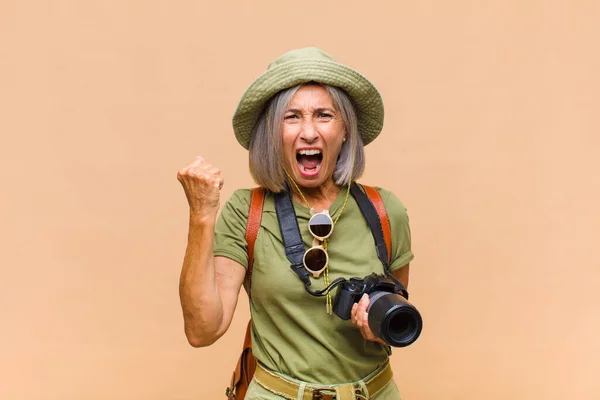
309,152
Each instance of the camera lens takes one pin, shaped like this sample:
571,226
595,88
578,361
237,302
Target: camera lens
400,327
403,327
393,319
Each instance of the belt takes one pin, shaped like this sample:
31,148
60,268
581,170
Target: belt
289,389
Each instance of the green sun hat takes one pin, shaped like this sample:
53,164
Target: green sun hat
309,65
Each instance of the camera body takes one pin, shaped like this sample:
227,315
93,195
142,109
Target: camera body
352,290
391,317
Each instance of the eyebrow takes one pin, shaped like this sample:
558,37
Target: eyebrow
320,109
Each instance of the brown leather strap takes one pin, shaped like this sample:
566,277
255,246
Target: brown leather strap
244,370
246,365
377,201
252,228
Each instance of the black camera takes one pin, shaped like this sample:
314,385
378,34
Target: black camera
391,317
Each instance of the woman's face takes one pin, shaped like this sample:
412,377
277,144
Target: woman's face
313,133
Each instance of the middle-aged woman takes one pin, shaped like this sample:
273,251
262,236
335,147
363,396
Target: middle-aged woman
305,122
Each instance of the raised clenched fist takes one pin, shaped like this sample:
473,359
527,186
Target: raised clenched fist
202,184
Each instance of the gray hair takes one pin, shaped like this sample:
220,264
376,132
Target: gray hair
266,152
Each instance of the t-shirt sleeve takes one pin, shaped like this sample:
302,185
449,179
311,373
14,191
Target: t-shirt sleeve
401,248
230,230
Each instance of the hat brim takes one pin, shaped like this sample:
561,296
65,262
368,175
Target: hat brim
364,95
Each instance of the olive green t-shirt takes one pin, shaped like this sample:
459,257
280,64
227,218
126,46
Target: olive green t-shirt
291,331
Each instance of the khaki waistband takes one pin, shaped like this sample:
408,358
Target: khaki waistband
349,391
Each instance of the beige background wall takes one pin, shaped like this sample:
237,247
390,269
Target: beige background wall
491,140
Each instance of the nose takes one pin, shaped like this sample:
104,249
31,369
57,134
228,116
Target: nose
309,131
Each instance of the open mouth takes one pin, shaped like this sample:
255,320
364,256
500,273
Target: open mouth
309,162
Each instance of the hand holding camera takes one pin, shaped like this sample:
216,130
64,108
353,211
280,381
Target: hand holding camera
378,306
360,317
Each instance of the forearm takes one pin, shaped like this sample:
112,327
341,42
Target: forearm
198,290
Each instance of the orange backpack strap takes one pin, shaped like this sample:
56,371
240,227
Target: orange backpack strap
377,201
246,365
252,227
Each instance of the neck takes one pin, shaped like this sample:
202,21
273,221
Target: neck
320,197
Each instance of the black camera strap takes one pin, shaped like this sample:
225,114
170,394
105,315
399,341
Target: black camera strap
290,232
292,239
370,213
